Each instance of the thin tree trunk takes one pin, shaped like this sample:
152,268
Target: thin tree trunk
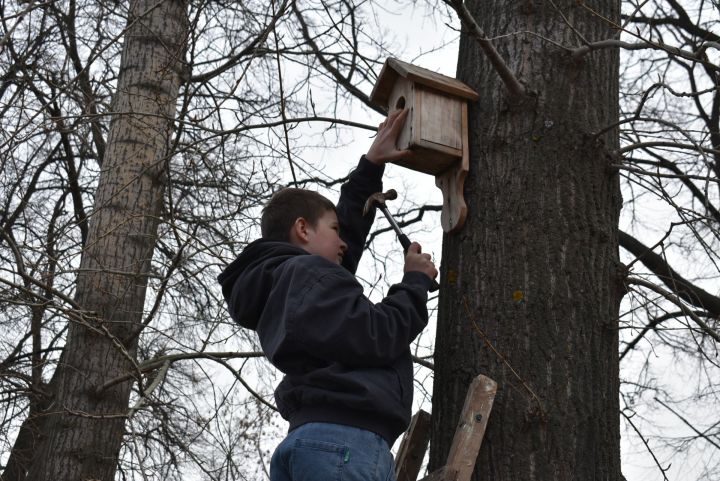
535,272
84,428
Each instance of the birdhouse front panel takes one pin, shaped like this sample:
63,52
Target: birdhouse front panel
440,119
433,128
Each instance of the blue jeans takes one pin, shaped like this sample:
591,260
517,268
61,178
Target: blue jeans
332,452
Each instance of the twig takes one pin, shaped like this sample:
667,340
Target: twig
423,362
627,20
157,362
678,302
651,326
684,289
251,49
646,44
83,414
237,130
699,433
707,45
666,176
20,16
334,72
149,390
674,145
695,57
484,337
245,384
96,54
647,446
282,96
569,23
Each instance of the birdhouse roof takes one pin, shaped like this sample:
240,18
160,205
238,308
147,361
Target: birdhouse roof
394,68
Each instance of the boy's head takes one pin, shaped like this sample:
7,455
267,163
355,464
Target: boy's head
306,219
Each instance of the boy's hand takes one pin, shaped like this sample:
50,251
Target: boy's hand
383,148
417,261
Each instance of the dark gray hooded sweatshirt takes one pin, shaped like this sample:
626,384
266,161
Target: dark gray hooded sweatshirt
346,360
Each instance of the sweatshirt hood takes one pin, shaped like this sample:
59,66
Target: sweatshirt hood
248,280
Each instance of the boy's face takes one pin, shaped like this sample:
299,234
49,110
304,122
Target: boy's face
324,239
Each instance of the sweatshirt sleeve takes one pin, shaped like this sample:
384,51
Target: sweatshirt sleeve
364,181
334,322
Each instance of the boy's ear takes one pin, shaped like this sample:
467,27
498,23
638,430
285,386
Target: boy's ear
299,231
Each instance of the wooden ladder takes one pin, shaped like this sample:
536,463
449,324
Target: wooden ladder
465,445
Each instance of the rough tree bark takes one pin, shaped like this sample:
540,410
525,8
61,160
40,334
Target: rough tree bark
533,283
83,426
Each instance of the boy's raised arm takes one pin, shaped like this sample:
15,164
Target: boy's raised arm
364,181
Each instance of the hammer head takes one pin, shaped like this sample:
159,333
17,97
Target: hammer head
378,198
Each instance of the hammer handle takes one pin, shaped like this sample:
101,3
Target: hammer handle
404,241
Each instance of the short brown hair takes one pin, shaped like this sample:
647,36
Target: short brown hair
284,208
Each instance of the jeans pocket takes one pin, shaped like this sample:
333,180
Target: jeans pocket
313,460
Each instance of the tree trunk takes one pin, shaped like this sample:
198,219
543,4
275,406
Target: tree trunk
85,425
532,284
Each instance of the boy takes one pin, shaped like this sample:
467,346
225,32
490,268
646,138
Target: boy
347,390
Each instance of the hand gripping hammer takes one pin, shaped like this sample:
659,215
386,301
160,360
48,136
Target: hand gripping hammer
378,199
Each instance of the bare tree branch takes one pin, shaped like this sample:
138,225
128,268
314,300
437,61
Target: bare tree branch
513,85
683,288
677,301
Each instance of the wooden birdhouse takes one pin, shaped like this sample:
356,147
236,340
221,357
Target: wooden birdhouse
436,128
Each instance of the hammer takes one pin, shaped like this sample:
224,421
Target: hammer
378,199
